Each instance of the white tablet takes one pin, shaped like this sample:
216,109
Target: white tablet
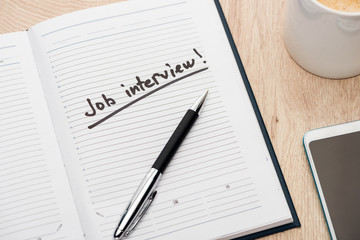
334,157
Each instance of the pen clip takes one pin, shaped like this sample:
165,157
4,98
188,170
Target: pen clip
141,213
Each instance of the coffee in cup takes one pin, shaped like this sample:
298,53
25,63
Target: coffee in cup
342,5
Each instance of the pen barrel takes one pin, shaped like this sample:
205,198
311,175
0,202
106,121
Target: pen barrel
138,204
175,141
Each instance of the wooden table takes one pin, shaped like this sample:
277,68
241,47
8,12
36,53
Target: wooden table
291,100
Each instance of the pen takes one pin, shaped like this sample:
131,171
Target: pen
145,193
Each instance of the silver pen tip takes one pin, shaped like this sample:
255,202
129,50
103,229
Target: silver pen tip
199,102
119,234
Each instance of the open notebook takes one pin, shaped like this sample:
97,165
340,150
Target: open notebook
79,128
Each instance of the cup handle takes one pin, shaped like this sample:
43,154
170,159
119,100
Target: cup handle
348,25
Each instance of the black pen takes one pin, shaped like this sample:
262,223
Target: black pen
145,193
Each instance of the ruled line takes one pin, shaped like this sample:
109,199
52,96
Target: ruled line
11,46
62,90
204,222
114,39
103,48
31,227
94,60
9,64
28,209
8,70
141,135
113,34
159,139
106,18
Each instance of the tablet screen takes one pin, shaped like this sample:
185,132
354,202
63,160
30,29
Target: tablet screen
337,162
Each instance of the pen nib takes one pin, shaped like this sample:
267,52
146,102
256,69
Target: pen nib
119,234
198,104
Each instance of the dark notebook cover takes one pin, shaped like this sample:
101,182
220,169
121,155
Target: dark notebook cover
296,222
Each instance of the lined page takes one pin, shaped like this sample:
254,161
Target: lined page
119,79
35,198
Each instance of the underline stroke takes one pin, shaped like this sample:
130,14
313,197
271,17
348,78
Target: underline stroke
144,96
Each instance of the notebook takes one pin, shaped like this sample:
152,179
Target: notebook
89,99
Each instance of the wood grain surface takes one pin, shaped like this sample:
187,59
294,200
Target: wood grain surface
291,100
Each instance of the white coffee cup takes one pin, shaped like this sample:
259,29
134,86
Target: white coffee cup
324,41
